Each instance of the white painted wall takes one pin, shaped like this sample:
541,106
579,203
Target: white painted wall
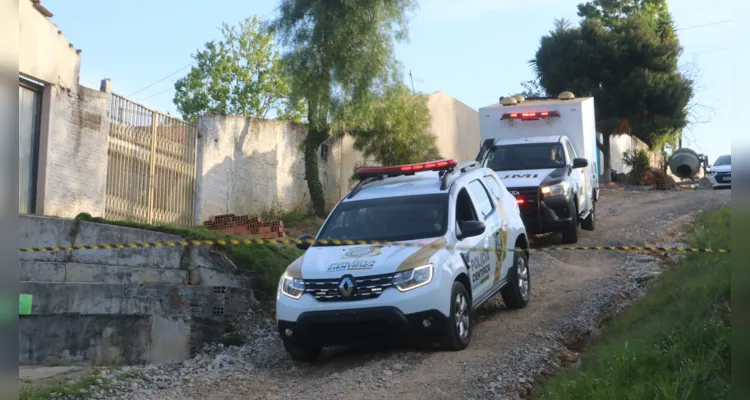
252,166
45,54
72,175
454,124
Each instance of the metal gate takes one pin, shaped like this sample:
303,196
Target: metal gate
29,122
151,166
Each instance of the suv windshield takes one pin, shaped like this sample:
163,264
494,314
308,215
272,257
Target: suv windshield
525,156
392,218
723,160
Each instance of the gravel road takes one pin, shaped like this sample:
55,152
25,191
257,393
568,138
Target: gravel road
572,293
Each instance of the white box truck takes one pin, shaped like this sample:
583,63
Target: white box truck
545,152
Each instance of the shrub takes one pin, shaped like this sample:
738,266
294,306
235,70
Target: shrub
639,162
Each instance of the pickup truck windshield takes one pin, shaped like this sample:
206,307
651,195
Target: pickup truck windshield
392,219
723,160
525,156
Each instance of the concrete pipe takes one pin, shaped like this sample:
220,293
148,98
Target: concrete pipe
685,163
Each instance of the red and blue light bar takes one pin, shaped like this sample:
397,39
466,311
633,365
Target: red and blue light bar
530,116
407,169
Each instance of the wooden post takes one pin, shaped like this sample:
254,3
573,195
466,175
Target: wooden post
152,172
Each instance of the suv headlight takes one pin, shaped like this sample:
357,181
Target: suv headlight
413,278
556,190
292,287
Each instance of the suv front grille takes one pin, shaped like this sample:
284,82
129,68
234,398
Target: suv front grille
530,196
365,287
721,176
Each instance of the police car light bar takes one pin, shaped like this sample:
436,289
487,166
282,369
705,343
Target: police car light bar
408,169
530,116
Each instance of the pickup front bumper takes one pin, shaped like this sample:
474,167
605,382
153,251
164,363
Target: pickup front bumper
542,214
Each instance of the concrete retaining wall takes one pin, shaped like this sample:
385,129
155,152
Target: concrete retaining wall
121,306
103,339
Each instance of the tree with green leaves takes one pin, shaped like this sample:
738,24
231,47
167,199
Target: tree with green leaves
393,128
241,74
336,52
627,62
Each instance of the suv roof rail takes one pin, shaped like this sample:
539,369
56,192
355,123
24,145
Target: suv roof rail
468,166
364,182
449,178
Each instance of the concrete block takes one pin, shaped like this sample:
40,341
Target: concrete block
42,271
125,299
84,339
153,257
170,339
103,339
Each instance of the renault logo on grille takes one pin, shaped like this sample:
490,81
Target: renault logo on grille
515,193
346,286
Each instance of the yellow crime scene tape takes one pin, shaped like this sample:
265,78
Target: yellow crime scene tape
267,242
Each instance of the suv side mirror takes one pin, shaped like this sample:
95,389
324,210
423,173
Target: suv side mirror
580,163
304,246
470,229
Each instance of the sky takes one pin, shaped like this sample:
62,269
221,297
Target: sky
474,50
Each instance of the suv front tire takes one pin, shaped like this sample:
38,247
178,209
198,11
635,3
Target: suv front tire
457,333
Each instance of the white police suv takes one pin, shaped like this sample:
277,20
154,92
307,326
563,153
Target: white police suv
408,254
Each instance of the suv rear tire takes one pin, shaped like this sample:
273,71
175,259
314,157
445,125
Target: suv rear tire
457,333
517,293
306,353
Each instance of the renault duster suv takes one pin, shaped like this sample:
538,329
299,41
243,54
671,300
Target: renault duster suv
408,254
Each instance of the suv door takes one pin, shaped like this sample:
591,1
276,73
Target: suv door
578,177
502,261
487,213
473,250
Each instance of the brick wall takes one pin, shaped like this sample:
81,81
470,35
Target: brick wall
73,152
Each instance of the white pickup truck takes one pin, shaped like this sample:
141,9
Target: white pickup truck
545,152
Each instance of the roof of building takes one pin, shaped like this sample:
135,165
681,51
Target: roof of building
39,7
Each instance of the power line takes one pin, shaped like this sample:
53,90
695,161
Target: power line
157,94
189,64
160,80
704,25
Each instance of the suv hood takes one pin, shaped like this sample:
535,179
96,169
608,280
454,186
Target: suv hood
524,178
721,168
330,262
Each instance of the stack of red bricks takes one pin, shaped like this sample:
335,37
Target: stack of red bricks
245,225
658,180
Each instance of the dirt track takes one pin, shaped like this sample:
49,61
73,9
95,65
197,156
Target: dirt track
572,292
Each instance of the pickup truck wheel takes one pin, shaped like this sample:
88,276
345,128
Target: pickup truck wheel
517,293
590,222
457,333
570,234
306,353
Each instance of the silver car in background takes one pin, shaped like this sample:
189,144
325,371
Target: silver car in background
720,173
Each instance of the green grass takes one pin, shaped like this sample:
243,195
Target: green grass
265,263
32,391
674,343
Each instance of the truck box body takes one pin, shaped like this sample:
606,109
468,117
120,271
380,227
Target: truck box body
576,121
